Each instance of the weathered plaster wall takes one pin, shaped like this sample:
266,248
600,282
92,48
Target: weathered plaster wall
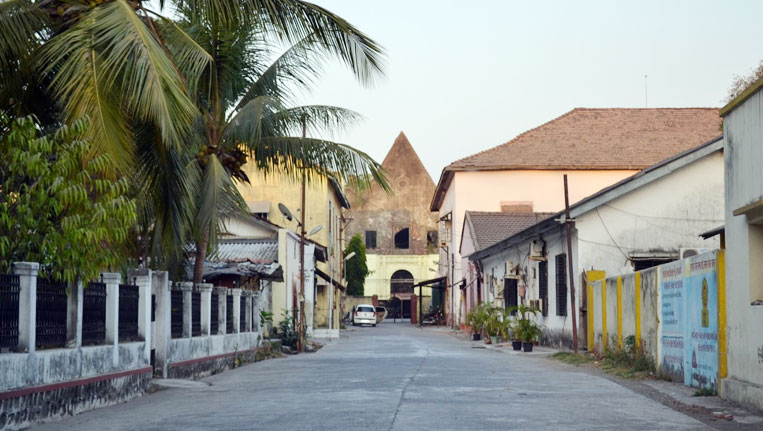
485,190
743,132
649,311
660,217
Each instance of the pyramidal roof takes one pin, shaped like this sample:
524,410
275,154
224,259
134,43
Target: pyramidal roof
402,160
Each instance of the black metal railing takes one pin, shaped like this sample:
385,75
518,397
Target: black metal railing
215,313
94,314
176,313
195,314
51,314
228,314
129,296
9,311
242,314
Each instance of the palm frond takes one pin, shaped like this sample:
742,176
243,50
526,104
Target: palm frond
190,57
218,198
319,120
297,68
294,20
316,158
131,61
20,23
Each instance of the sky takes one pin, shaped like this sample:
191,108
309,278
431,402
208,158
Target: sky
462,77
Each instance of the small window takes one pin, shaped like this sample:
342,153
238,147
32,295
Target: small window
561,285
370,239
543,286
642,264
402,238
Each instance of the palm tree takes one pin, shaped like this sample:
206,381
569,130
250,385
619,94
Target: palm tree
110,59
190,100
247,117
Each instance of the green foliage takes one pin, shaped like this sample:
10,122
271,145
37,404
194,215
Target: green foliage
706,392
357,270
630,361
265,318
286,332
60,204
525,328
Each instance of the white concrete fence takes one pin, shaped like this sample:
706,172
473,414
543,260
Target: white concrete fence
31,368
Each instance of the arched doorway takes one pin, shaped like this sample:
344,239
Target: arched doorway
401,289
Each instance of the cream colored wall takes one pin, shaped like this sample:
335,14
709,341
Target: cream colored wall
383,266
485,190
319,196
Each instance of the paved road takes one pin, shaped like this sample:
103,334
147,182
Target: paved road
393,377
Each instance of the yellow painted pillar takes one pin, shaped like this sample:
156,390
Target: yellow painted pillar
591,278
722,354
637,282
620,312
604,314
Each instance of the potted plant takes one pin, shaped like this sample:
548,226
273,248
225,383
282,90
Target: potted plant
527,330
473,320
494,324
512,331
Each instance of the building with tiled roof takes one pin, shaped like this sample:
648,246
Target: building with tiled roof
398,229
595,148
483,228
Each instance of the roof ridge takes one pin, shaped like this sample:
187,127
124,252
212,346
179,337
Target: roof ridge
515,137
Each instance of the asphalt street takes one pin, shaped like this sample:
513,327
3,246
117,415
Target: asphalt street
392,377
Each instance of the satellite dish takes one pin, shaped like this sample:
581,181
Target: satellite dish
285,211
315,230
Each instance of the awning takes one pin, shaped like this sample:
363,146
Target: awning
431,283
326,277
713,232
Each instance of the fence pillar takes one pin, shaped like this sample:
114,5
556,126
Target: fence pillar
221,293
187,288
142,279
161,287
74,315
249,317
27,272
112,280
206,308
236,310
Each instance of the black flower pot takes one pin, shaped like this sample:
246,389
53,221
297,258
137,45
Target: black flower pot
476,337
517,345
527,347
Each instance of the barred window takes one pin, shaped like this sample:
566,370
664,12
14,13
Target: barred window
370,239
543,286
561,285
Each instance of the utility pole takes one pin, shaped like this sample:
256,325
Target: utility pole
571,276
301,327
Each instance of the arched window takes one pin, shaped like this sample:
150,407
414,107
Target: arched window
401,282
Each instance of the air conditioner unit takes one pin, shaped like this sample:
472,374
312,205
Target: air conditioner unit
683,253
537,250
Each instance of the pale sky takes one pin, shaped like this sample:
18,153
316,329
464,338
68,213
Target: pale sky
462,76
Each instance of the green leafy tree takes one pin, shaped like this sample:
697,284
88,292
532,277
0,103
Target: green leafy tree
357,270
180,103
60,204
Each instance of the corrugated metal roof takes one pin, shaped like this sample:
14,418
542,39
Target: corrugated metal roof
246,250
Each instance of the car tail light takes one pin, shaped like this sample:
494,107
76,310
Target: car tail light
374,314
356,313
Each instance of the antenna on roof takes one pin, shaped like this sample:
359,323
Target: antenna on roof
646,94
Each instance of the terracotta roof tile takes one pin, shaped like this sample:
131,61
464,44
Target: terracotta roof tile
489,228
610,138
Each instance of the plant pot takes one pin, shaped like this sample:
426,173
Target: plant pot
495,339
517,345
487,340
527,347
476,337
